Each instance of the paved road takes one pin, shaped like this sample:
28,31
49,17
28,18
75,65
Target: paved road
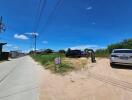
18,79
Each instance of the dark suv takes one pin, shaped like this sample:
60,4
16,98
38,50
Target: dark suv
74,53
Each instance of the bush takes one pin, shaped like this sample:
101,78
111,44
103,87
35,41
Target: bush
126,44
102,53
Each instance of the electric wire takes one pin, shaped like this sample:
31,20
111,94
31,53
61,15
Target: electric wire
50,17
41,6
40,9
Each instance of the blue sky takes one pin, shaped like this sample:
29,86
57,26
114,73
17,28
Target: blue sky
75,23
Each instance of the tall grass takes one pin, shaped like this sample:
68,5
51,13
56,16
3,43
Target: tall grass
102,53
47,60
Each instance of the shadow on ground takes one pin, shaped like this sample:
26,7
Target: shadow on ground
122,67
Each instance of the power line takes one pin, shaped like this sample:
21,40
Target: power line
58,4
35,24
36,12
41,6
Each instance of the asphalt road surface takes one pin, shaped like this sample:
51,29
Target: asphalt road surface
18,79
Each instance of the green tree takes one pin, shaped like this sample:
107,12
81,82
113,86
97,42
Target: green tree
48,51
62,51
102,53
125,44
69,50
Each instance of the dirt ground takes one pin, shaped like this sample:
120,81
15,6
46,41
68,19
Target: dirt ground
96,81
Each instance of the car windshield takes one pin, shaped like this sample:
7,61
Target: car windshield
76,51
123,51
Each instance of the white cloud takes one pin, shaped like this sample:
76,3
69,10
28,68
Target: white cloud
32,33
21,37
82,47
16,48
9,45
26,51
45,42
89,8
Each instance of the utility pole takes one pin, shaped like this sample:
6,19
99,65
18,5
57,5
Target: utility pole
2,29
2,26
35,41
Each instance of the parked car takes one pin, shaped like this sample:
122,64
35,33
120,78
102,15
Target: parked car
121,57
74,53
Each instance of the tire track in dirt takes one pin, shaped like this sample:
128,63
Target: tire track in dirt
112,81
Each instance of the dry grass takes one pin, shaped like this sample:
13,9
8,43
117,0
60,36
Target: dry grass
76,63
67,64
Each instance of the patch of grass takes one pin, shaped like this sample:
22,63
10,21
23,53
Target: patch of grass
62,68
103,55
47,60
